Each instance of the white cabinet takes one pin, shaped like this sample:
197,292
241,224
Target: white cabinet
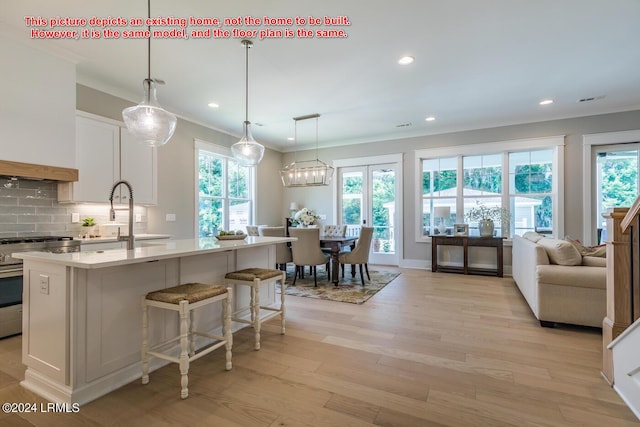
105,153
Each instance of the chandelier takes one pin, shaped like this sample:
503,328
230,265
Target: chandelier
307,173
148,121
247,151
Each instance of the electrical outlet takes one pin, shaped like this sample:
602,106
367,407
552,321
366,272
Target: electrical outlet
170,217
322,216
138,217
44,284
75,218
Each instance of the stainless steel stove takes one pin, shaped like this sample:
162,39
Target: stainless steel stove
11,274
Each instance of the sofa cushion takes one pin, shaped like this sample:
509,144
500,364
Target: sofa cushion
577,277
532,236
561,252
594,261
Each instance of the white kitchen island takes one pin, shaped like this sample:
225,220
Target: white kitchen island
82,317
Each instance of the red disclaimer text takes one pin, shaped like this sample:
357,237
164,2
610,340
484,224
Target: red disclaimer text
192,27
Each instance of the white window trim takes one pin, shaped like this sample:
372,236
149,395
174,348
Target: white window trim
588,141
221,150
505,147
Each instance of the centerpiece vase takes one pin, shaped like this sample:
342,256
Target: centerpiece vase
486,227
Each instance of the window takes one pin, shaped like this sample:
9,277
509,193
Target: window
492,174
531,191
482,185
439,183
225,191
616,180
602,154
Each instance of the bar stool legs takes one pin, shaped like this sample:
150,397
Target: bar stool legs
185,299
254,278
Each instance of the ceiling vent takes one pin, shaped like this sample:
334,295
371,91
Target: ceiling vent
590,98
404,125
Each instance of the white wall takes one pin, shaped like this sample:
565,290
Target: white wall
37,106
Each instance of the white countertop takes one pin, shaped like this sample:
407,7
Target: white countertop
115,239
157,251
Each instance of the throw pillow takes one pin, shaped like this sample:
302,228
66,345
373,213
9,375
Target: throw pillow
597,251
561,252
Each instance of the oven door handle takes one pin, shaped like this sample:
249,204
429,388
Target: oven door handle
14,272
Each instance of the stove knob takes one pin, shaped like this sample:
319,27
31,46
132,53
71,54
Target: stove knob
3,257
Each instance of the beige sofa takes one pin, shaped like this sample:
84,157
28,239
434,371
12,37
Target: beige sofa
558,282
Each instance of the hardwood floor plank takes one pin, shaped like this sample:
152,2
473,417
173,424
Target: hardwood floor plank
429,349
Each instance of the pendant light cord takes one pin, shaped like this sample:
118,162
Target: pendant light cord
149,41
317,140
246,80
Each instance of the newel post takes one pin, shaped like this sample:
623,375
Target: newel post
618,283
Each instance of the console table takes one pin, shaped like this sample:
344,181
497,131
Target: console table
465,242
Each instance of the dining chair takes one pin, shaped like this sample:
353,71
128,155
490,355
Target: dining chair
306,251
252,230
331,230
360,254
283,252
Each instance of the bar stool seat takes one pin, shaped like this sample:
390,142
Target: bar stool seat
254,277
184,299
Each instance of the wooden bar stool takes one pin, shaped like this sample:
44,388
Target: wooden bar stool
254,277
185,299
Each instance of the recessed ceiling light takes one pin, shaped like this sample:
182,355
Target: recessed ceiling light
290,138
546,102
213,105
430,118
405,60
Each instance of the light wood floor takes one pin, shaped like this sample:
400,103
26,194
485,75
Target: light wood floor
430,349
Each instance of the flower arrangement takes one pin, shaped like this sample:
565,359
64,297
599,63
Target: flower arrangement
494,213
305,216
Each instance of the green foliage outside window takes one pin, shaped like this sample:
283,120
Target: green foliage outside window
619,182
213,194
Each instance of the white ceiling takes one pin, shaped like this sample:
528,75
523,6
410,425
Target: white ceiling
478,64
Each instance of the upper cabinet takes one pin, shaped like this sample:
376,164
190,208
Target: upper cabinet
38,97
106,152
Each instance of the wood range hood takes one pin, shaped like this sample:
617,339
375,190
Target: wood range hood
37,172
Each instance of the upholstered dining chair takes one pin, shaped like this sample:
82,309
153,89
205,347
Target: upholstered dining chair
252,230
360,254
332,230
306,251
283,252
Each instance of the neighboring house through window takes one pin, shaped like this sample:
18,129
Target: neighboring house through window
523,176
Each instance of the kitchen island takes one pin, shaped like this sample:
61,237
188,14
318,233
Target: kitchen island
82,313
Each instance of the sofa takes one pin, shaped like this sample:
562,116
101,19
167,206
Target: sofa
562,281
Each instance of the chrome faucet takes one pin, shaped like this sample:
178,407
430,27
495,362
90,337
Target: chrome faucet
112,213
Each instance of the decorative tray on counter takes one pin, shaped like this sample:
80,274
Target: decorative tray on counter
231,237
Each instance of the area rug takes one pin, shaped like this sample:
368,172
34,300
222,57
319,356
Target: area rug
348,290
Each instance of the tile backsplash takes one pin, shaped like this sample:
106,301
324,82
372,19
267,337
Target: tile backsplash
29,208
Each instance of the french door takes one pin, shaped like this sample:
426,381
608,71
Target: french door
367,196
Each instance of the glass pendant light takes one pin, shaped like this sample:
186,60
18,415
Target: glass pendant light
247,151
149,123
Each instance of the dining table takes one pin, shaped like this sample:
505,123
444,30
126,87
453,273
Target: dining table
336,244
